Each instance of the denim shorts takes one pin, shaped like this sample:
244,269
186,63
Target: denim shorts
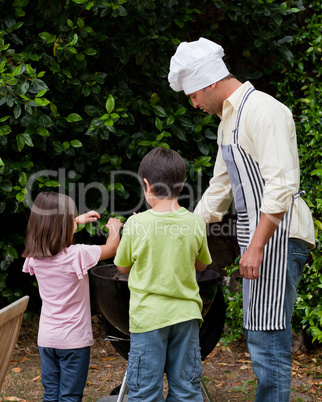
173,351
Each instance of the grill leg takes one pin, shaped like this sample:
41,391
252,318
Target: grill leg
123,390
205,392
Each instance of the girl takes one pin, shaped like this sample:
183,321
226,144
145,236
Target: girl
61,269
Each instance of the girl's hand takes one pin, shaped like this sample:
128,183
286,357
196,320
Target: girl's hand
114,225
91,216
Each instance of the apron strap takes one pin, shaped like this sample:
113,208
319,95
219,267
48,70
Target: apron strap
298,194
241,107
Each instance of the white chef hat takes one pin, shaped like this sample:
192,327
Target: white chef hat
195,65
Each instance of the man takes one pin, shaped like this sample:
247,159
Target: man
257,166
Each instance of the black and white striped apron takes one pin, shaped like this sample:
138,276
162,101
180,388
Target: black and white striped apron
263,298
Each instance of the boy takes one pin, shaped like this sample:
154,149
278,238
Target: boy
161,248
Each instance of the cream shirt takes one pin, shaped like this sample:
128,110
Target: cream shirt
267,133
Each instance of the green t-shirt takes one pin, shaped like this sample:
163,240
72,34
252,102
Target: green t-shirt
162,248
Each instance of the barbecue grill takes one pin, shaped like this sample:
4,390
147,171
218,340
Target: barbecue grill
112,295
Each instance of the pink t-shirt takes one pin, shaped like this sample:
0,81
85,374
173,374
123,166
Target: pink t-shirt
65,319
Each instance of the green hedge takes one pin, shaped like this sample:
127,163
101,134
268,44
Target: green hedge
84,95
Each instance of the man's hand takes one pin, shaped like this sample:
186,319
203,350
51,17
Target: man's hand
250,263
252,258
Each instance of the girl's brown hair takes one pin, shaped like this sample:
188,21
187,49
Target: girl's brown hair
51,225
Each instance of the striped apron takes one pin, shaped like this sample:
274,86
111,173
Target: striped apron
263,298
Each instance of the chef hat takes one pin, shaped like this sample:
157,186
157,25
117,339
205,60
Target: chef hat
195,65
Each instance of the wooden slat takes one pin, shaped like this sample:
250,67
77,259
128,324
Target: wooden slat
10,323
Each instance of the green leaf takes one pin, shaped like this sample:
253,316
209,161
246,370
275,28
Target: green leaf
72,50
52,183
29,69
12,252
42,101
53,107
90,52
28,164
110,104
37,85
180,111
17,111
158,124
104,159
42,131
47,37
203,147
22,140
20,196
145,143
119,186
159,111
163,145
22,179
207,119
109,122
5,130
17,71
317,172
210,135
5,47
41,93
6,186
73,117
278,19
76,144
74,40
170,120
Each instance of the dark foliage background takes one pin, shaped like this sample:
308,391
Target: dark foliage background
84,94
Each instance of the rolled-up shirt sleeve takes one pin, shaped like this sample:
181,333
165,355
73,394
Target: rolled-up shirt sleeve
274,140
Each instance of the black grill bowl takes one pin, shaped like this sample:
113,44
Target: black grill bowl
112,295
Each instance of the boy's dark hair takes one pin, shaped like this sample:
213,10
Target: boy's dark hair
165,170
51,225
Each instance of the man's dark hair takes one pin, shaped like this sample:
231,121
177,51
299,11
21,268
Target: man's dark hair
165,170
228,77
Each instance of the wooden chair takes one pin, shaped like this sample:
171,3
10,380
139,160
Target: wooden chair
10,323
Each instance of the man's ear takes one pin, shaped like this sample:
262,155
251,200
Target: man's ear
213,86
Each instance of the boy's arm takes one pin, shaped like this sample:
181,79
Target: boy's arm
108,250
124,270
200,266
203,259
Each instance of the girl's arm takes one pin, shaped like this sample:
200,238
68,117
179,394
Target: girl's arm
109,249
91,216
